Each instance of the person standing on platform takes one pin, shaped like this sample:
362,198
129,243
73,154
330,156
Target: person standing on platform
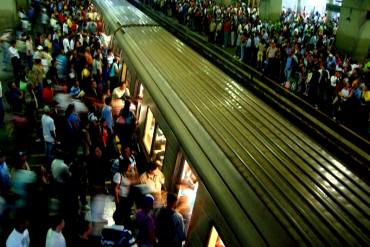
170,227
19,237
54,237
48,131
16,61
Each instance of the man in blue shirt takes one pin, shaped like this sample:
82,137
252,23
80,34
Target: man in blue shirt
107,113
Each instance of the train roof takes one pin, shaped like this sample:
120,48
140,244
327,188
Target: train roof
275,184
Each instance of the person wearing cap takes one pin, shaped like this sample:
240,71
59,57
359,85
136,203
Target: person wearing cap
48,131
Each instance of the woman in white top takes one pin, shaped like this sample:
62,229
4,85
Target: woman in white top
122,184
54,237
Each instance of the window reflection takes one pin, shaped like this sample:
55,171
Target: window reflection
159,147
149,130
214,239
188,186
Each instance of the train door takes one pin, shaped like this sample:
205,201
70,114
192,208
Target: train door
154,139
187,186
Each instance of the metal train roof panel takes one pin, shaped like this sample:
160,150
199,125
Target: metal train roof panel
311,193
125,13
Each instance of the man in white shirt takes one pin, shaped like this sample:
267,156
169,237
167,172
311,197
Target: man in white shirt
59,170
15,58
19,237
48,131
121,92
66,45
54,237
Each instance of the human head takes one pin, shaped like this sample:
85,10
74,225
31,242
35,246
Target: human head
147,202
47,110
171,200
122,85
84,229
21,222
98,153
94,85
126,151
108,100
57,223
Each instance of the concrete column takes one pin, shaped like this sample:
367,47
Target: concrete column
299,6
353,33
8,14
24,4
270,9
330,13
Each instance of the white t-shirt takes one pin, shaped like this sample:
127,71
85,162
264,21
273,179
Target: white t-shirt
124,184
47,127
55,239
66,45
13,52
118,93
17,239
58,167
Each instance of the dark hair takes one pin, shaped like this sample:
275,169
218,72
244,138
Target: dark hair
55,221
70,109
83,226
171,198
108,100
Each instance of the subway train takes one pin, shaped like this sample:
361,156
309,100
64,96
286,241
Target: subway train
244,174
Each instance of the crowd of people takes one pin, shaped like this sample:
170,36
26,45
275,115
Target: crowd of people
298,51
67,92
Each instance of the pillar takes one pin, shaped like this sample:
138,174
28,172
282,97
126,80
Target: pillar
24,4
270,9
299,6
330,13
8,14
353,35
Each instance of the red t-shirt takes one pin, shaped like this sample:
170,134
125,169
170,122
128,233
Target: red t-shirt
47,94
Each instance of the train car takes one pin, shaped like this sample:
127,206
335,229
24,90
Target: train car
245,175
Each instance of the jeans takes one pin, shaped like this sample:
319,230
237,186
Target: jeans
49,152
287,72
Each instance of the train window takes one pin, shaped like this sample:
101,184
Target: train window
128,78
124,72
139,89
159,146
149,130
188,187
214,239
